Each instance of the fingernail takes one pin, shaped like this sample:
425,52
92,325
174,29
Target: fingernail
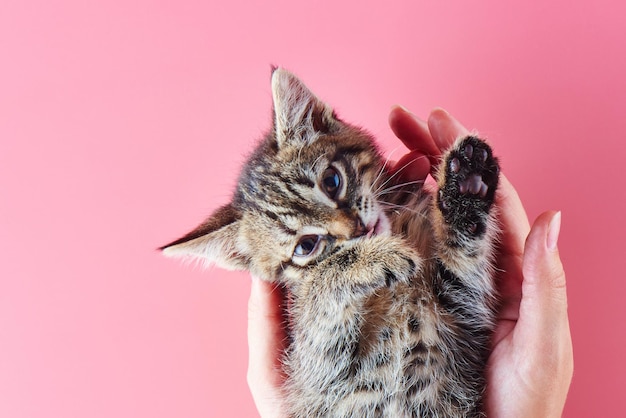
404,109
440,109
553,231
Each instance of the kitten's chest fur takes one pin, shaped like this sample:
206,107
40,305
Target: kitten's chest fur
406,349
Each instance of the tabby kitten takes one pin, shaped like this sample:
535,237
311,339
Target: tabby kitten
391,288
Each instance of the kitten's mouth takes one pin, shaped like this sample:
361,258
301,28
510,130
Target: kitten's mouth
381,226
372,231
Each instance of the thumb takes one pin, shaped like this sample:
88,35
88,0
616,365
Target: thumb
544,296
266,334
266,341
543,324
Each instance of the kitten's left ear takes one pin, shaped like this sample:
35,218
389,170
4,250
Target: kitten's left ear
299,114
215,241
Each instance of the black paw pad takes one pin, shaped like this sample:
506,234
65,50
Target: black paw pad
475,185
470,179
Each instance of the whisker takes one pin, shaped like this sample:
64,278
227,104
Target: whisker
398,171
400,185
410,193
404,208
317,160
383,168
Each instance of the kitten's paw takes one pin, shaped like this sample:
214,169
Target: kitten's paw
468,182
372,263
388,260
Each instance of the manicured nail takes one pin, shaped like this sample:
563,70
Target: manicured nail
553,231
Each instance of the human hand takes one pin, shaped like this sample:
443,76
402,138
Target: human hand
267,341
530,367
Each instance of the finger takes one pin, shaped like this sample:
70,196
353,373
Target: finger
543,326
543,310
513,219
266,336
514,230
444,129
412,131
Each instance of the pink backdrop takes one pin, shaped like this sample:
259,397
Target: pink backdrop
123,123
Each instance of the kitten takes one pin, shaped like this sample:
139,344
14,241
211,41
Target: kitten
391,289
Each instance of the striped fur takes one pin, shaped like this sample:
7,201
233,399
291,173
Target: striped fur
391,291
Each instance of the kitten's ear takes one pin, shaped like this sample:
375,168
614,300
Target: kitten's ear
298,114
214,241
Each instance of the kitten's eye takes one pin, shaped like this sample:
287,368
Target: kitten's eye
331,181
306,245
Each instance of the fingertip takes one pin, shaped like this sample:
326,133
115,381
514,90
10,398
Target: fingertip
265,297
444,128
411,130
255,285
545,231
396,113
440,112
542,264
398,116
397,110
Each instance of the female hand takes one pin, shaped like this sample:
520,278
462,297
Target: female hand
531,363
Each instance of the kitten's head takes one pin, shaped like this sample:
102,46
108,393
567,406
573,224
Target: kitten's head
309,188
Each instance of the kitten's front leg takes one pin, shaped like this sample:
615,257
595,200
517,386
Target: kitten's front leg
364,265
466,230
465,222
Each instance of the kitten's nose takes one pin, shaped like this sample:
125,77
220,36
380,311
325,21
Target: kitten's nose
359,228
347,225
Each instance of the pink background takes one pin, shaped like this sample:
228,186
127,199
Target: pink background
123,123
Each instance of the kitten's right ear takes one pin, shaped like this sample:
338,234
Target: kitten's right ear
299,116
214,241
